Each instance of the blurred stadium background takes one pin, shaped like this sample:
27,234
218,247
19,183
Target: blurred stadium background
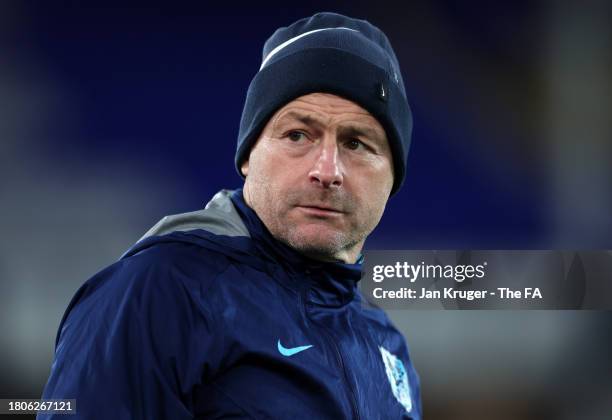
113,116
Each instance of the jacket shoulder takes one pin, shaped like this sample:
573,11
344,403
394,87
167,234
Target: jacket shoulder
167,274
178,258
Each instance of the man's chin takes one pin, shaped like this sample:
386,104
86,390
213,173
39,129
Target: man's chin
319,243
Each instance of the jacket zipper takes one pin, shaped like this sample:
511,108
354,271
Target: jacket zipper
339,359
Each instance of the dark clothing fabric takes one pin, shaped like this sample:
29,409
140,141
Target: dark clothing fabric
208,316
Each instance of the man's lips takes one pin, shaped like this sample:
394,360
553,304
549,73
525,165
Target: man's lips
320,210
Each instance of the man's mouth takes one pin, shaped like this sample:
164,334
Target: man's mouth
317,210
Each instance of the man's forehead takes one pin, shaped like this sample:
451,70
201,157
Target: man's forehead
326,109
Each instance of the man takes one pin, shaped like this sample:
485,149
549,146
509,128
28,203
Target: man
250,307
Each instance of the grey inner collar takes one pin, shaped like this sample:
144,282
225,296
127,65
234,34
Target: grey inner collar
218,217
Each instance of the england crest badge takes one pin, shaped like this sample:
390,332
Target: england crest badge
398,378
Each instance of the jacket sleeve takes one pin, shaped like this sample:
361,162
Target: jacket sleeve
135,341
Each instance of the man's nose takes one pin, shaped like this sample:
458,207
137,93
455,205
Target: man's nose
327,169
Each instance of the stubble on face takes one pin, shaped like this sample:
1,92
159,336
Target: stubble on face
314,237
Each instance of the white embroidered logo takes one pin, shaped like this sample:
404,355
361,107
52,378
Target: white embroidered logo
398,378
295,38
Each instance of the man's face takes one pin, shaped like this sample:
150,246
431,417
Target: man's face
319,176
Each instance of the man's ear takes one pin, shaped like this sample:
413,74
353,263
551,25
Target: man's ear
244,168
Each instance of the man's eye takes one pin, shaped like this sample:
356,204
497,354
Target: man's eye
295,136
354,144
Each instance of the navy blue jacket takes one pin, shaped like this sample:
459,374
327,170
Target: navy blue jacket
208,316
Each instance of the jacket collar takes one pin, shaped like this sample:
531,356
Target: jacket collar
228,225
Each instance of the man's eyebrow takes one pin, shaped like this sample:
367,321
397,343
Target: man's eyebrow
358,130
362,131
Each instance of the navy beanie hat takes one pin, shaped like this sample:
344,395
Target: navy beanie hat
330,53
